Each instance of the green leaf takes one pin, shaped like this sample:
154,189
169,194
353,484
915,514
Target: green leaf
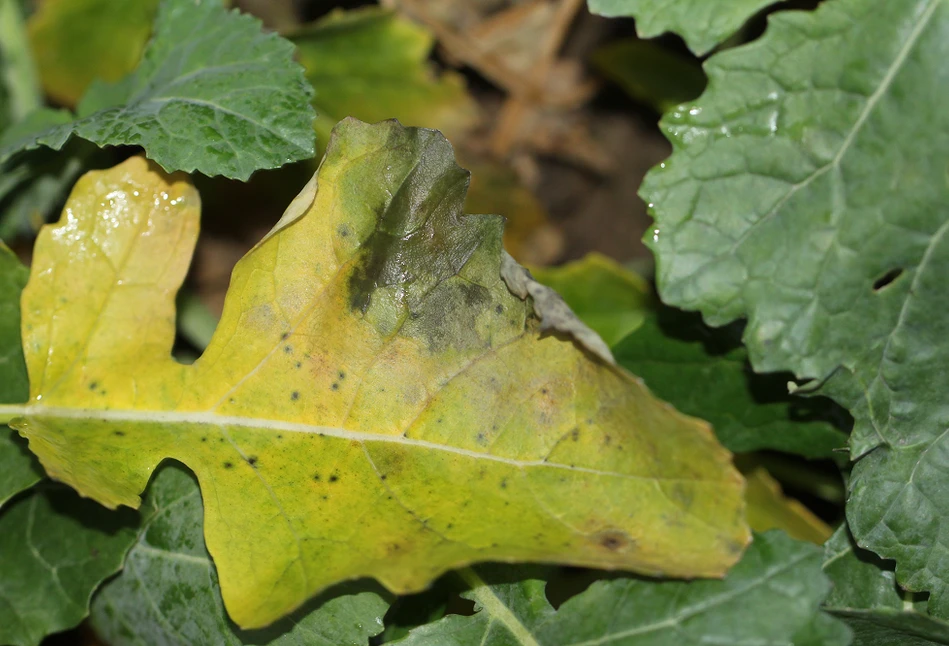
704,372
213,93
330,420
866,596
76,42
373,65
611,300
18,469
650,73
770,596
55,549
168,592
808,192
19,88
702,24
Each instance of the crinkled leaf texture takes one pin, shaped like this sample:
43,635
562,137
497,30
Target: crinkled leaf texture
18,469
213,93
808,192
168,591
702,24
374,402
770,599
55,550
866,596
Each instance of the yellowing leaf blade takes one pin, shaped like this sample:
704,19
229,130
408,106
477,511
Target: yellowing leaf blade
375,401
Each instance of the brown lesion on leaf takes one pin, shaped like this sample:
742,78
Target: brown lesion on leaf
614,540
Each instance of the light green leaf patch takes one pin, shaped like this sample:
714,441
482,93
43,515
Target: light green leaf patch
611,300
330,422
372,64
76,42
808,192
702,24
168,592
213,93
770,597
55,549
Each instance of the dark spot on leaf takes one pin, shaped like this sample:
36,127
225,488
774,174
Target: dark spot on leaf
438,421
284,336
334,477
335,385
607,439
93,385
575,434
504,484
341,374
613,540
228,465
543,391
449,526
118,433
295,395
252,460
343,231
288,349
499,309
316,477
324,497
887,278
298,364
279,436
480,439
382,477
231,400
204,439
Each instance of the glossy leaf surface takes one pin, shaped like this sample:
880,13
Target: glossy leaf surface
808,192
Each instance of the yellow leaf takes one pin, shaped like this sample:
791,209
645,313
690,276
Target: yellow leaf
769,508
375,400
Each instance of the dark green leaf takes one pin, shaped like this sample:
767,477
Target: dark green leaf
866,596
767,599
213,93
55,549
650,73
808,192
168,592
18,468
704,372
702,24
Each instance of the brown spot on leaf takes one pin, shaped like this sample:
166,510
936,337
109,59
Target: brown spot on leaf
613,540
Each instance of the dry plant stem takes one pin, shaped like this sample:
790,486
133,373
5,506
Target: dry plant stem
517,107
467,50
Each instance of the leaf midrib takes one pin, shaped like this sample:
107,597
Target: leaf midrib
8,412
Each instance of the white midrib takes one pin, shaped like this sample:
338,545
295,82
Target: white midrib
9,412
495,608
